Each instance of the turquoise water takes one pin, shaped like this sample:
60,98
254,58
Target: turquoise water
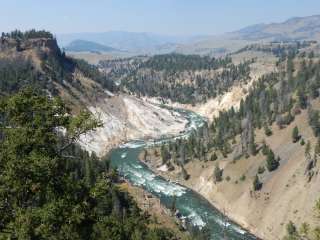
195,209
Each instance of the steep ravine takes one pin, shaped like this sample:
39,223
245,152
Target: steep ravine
194,209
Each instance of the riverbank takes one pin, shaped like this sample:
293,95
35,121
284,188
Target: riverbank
194,209
159,214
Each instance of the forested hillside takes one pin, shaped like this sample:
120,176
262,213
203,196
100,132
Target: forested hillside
262,155
181,78
275,98
49,187
34,58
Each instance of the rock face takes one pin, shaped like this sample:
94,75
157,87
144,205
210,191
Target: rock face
126,118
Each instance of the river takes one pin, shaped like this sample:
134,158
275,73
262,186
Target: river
194,208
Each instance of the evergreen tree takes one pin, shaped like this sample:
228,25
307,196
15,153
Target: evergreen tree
214,157
295,134
267,131
307,151
185,175
302,99
173,204
252,145
265,148
272,163
217,174
292,233
257,185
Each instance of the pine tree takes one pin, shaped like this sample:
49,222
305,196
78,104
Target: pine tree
256,183
265,148
217,174
295,134
302,99
88,172
307,151
185,175
317,148
272,163
214,157
291,230
173,207
267,130
252,145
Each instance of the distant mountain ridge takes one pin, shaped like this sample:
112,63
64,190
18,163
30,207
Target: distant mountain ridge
297,28
88,46
293,29
139,42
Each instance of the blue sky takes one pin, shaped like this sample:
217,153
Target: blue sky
158,16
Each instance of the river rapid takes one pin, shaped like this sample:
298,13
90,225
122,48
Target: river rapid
195,210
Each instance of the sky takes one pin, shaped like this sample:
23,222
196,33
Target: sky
171,17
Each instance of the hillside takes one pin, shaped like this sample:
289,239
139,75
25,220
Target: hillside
187,79
81,86
50,187
249,154
249,162
88,46
287,190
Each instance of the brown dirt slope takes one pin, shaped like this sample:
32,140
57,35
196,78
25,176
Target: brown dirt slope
286,193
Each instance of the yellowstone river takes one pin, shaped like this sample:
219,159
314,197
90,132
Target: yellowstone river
194,209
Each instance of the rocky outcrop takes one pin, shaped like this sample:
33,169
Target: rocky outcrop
126,118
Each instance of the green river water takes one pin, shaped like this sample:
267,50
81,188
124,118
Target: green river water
194,209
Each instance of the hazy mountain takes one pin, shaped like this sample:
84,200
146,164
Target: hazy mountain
88,46
298,28
130,41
